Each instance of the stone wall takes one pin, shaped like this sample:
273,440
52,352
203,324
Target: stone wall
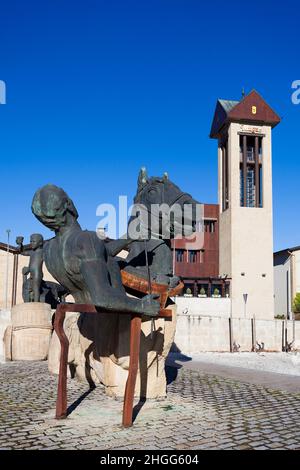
203,306
199,333
8,259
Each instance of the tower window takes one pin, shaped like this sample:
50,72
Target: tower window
250,171
225,178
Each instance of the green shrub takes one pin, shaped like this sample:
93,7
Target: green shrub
202,291
216,291
296,303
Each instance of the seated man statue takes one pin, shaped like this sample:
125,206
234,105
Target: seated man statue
81,262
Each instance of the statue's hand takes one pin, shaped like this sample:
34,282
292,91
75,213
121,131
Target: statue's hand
19,240
25,270
150,305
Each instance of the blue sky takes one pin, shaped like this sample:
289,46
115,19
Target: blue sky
96,89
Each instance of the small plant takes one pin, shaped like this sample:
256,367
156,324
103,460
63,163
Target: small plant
216,292
296,303
279,317
188,291
202,291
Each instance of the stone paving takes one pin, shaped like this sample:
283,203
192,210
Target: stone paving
201,411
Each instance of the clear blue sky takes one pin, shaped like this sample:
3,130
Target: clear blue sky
96,89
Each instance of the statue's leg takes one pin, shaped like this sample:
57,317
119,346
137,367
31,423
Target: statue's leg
36,287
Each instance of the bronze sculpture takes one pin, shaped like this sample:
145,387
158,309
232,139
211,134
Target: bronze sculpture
82,263
88,268
34,288
32,285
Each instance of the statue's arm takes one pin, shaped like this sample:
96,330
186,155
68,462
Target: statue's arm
115,246
25,250
95,274
109,299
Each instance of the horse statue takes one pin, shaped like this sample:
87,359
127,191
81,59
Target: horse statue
157,196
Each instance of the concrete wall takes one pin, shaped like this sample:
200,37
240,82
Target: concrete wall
296,273
203,306
196,333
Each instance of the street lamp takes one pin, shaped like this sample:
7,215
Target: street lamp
7,267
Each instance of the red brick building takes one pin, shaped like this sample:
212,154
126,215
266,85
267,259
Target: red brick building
199,268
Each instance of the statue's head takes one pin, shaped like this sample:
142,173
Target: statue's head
161,191
53,207
36,240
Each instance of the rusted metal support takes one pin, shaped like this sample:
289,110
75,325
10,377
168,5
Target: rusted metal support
253,334
135,334
61,402
282,337
230,335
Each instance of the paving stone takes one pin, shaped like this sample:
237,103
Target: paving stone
200,412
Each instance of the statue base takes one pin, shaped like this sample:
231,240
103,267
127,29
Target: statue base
99,351
28,337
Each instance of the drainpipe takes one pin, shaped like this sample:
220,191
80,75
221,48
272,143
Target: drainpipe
292,271
230,324
174,255
7,269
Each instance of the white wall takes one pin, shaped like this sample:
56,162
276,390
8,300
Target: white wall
199,333
282,283
203,306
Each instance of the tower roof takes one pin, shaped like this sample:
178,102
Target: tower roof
251,109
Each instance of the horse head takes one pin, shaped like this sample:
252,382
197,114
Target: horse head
161,196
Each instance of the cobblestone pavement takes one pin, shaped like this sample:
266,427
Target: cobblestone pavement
201,411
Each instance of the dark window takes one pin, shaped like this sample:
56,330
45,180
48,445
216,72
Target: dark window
179,256
192,256
250,171
210,226
225,178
